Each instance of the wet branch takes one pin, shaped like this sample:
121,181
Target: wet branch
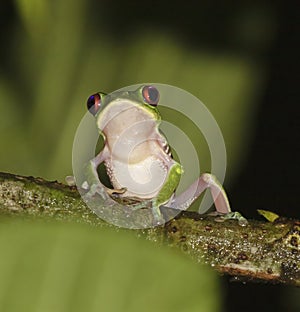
264,251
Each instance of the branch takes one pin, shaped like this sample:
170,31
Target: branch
263,251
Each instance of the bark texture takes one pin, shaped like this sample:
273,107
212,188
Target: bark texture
265,251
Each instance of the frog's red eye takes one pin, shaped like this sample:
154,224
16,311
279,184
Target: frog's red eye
150,95
94,103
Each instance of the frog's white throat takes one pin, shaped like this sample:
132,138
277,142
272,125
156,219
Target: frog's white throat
121,114
130,131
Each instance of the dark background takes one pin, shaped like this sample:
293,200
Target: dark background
270,176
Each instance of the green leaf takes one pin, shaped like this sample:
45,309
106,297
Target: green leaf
67,267
269,215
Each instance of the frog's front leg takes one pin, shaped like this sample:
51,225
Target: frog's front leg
93,182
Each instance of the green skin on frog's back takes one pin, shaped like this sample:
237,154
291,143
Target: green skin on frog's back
137,156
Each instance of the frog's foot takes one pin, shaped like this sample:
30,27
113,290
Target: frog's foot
232,215
116,192
95,189
70,180
158,218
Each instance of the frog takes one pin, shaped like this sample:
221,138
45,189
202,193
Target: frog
138,159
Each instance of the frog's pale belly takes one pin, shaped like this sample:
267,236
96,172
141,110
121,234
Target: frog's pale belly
143,179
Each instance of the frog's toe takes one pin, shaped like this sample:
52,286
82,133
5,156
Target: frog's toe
116,192
158,221
96,189
158,218
233,215
70,180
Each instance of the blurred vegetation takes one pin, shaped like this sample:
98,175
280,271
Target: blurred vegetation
67,267
62,51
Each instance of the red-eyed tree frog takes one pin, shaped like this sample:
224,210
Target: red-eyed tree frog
138,158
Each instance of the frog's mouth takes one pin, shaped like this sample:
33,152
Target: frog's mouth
121,113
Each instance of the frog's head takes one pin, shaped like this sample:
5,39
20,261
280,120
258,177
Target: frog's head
119,110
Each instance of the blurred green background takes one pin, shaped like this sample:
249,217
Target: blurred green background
67,267
239,59
63,51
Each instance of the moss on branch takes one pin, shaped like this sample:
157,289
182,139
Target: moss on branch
266,251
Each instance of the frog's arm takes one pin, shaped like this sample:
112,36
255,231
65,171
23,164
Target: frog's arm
92,179
205,181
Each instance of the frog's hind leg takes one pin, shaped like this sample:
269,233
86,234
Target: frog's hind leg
208,181
205,181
